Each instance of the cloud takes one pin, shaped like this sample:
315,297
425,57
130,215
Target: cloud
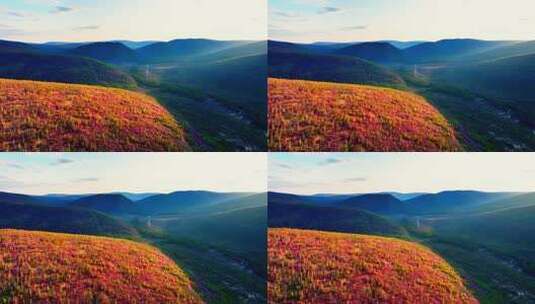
61,161
330,161
16,166
354,28
284,166
87,28
355,179
15,14
328,10
87,180
61,9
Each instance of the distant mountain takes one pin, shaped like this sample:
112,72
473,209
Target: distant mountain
136,44
182,201
136,196
181,49
380,52
15,47
235,224
246,49
512,49
111,52
510,201
287,198
376,203
61,68
327,218
106,203
6,197
330,68
403,44
449,49
61,219
286,47
450,201
509,77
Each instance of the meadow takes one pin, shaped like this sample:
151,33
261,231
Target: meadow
319,116
39,116
62,268
325,267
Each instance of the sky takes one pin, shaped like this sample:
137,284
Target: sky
101,20
79,173
312,173
405,20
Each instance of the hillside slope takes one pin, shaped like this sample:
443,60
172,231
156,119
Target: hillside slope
327,218
38,116
106,203
62,219
57,268
508,77
112,52
61,68
322,267
331,68
316,116
381,52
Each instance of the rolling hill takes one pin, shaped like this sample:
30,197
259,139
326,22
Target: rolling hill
181,49
61,68
111,52
317,116
51,268
376,203
323,267
106,203
15,47
452,201
513,49
39,116
380,52
330,68
508,78
448,49
183,201
61,219
329,218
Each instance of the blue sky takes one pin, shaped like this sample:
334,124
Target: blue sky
41,173
97,20
370,20
310,173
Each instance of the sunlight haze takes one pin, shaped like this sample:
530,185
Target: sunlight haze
101,20
370,20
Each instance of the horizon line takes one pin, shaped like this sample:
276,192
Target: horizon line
119,40
396,40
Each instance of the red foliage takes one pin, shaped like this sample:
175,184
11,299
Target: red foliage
39,267
40,116
325,267
319,116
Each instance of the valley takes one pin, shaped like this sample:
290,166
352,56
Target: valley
217,239
479,86
487,237
193,79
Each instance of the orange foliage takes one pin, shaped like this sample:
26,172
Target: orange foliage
319,116
39,267
325,267
40,116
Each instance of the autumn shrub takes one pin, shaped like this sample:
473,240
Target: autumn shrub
42,116
326,267
42,267
319,116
